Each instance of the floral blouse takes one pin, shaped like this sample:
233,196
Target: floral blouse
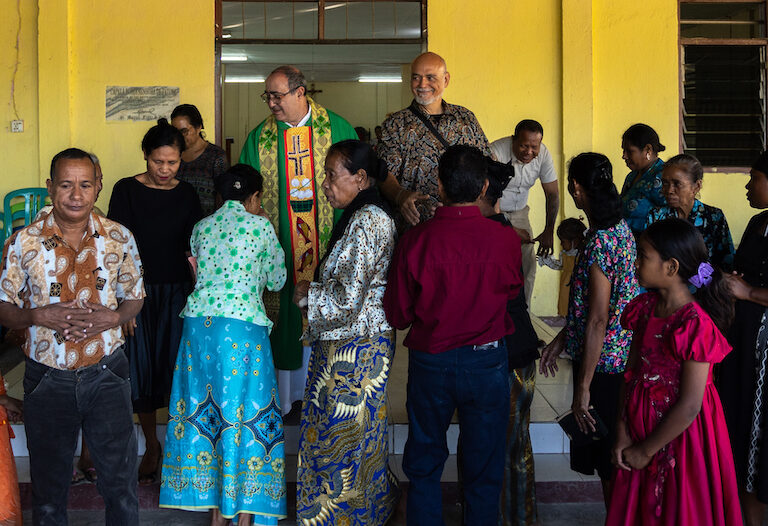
637,199
237,254
614,251
347,301
710,221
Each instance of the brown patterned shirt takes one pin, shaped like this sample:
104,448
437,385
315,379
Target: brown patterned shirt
412,152
40,268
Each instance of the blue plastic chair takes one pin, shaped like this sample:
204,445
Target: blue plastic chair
20,207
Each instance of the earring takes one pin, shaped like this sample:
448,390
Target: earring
647,156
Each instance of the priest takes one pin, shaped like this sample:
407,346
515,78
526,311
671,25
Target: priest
289,149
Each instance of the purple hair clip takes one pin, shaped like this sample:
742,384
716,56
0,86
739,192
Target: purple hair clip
703,277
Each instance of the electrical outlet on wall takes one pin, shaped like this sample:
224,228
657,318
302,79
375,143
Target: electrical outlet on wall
17,126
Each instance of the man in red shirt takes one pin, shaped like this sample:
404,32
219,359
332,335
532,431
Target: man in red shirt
450,280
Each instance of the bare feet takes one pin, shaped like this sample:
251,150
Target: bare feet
244,519
149,469
217,519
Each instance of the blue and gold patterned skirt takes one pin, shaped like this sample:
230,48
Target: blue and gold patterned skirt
224,445
344,477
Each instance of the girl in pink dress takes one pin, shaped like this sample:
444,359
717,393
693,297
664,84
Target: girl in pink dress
673,456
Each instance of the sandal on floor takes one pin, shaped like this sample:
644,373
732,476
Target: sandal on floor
78,477
90,474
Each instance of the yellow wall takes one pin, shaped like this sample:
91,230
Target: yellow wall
18,151
72,50
362,104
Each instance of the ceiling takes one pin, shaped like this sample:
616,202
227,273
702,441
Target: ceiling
320,62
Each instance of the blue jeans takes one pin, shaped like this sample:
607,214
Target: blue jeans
476,383
57,404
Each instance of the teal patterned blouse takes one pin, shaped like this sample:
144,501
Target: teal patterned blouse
637,199
238,255
710,221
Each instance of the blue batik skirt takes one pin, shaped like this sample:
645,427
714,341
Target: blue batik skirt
224,445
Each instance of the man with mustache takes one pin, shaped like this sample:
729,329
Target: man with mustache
413,139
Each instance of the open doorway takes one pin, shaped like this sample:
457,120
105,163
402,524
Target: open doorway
354,54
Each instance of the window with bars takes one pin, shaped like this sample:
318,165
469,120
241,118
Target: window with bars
723,60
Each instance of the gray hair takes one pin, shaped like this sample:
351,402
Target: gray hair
294,76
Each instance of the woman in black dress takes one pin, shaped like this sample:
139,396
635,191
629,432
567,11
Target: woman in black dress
160,211
201,161
743,377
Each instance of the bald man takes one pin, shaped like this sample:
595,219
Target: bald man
413,139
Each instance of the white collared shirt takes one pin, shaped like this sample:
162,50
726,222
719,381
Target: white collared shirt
303,121
515,196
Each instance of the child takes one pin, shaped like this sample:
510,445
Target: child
571,234
10,504
672,451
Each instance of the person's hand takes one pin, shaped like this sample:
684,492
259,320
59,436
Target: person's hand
64,318
524,236
263,213
623,441
739,288
407,201
548,362
546,242
129,328
580,408
635,457
96,320
13,406
300,292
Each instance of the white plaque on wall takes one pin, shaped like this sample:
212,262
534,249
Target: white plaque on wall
140,103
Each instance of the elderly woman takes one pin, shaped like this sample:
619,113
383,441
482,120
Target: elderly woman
744,372
160,211
224,447
201,161
680,183
343,475
642,188
603,283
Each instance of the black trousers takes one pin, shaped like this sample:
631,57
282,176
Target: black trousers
57,404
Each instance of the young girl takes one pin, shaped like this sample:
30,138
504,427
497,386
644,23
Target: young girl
10,505
672,451
571,234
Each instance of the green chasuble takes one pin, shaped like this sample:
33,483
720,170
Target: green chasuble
286,335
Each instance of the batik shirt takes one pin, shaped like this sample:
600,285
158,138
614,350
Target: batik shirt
237,255
347,300
639,198
711,223
614,252
412,152
41,268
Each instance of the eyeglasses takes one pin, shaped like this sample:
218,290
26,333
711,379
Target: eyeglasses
275,96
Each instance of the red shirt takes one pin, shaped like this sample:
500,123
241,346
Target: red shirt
451,278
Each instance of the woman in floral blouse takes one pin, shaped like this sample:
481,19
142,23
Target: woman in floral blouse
642,188
603,283
343,475
224,449
680,182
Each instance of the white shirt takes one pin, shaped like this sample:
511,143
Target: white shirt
515,196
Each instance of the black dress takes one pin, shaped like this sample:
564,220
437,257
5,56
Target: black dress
162,223
743,376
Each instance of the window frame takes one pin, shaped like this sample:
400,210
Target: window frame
705,41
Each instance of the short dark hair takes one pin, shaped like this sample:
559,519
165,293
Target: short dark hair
679,239
70,153
638,135
238,183
189,111
594,173
463,171
356,155
571,229
529,125
761,163
294,75
689,164
499,175
162,134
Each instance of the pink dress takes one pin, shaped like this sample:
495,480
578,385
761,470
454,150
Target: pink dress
690,481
